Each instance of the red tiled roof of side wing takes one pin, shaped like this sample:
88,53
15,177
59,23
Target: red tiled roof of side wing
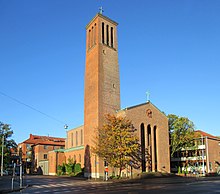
61,143
205,134
47,140
45,137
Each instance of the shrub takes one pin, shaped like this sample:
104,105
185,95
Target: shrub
69,168
77,169
179,170
61,169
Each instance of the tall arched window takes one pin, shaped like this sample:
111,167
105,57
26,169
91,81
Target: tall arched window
155,146
149,146
143,147
149,135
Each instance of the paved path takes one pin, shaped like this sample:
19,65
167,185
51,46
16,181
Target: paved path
6,184
56,185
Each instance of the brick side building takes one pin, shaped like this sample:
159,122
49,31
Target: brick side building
203,157
34,151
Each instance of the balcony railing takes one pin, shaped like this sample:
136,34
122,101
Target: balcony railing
194,158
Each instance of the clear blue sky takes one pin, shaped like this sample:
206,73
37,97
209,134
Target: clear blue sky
168,47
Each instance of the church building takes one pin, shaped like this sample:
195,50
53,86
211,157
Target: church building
102,96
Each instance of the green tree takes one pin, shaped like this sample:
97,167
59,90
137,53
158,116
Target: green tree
181,133
5,130
117,142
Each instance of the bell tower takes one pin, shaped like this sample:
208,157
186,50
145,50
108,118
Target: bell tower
102,84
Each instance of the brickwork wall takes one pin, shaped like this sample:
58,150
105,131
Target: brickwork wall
102,88
76,155
55,159
52,163
213,152
41,150
91,87
24,150
75,137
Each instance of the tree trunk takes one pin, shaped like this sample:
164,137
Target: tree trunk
120,169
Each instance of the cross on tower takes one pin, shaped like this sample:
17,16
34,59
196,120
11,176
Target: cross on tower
101,10
148,96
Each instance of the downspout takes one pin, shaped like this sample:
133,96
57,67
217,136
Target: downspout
56,162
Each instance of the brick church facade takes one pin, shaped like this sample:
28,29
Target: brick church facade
102,96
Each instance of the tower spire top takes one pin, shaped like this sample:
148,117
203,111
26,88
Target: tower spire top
101,10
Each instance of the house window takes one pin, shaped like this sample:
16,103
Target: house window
76,138
45,156
28,146
45,147
29,154
79,157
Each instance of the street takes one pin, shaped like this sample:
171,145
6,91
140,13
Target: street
50,184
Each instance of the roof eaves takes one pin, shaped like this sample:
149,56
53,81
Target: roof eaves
135,106
102,16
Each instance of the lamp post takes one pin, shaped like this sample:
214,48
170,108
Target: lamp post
203,162
2,162
20,150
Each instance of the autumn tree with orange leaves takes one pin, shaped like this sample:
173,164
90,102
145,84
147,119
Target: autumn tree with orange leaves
117,143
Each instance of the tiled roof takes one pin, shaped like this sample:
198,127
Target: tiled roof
61,143
204,134
45,140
